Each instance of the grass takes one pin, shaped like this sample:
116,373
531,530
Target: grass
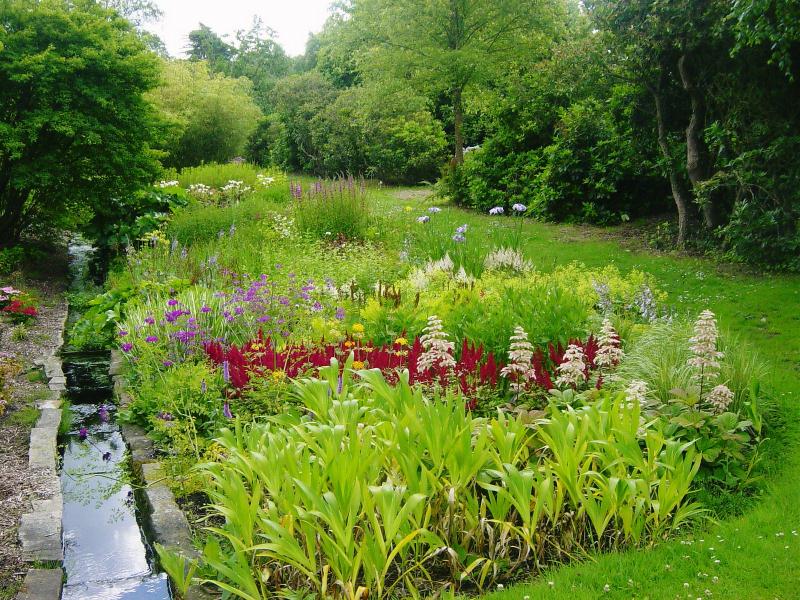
751,556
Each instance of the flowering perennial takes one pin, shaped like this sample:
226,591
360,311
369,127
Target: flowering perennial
609,353
720,398
520,368
572,370
704,347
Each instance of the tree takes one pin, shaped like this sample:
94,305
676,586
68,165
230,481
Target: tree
75,129
261,59
205,45
210,115
450,45
666,47
137,12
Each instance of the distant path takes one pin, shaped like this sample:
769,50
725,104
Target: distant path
412,193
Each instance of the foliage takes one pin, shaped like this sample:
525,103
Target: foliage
334,211
76,128
385,479
10,367
210,116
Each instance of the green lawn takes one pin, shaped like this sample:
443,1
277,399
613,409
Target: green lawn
756,555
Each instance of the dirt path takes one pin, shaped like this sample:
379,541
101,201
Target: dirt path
18,485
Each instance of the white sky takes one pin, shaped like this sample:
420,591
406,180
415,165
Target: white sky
293,20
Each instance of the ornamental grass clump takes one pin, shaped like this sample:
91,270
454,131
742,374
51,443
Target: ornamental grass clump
334,210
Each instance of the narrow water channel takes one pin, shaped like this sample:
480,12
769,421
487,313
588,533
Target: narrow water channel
106,555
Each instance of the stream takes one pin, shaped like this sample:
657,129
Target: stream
106,554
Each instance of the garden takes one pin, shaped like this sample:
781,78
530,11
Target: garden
355,395
467,299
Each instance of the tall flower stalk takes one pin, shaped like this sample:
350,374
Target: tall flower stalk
438,348
520,368
572,370
705,357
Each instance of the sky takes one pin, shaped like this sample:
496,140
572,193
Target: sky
293,20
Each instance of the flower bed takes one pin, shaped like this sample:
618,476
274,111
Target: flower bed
520,415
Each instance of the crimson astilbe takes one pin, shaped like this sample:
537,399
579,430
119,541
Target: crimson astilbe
474,368
259,357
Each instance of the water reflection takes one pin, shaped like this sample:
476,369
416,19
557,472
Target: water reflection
105,555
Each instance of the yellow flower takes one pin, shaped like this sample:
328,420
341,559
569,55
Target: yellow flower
357,365
401,341
407,208
349,344
358,328
278,376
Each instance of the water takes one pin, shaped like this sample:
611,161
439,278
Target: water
106,555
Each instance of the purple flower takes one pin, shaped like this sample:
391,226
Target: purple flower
226,371
205,309
126,347
106,456
434,209
203,387
340,313
151,339
172,302
317,307
122,333
423,219
462,230
459,238
83,433
226,410
150,320
167,363
165,416
102,412
520,208
497,210
339,385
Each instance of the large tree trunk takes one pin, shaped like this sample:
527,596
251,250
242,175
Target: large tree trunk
12,205
458,126
698,157
680,191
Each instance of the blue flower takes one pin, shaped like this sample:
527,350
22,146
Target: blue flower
434,209
423,219
497,210
459,237
462,230
519,207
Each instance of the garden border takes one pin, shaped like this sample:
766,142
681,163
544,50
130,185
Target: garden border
40,531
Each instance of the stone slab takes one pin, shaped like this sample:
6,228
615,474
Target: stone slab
40,536
49,418
42,584
168,523
140,446
42,450
56,387
52,367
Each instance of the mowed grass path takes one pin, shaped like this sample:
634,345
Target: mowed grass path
755,555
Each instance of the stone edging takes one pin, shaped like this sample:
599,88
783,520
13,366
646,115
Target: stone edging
165,520
40,530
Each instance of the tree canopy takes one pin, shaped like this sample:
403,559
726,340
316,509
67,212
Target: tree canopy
75,128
